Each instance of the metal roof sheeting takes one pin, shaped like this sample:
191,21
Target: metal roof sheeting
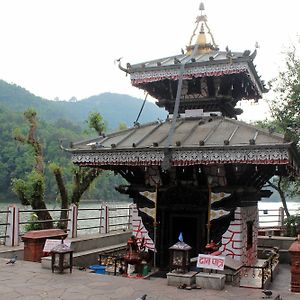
189,133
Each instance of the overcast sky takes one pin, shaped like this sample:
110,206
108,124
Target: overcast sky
66,48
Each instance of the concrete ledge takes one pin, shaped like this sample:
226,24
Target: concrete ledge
282,242
9,252
94,241
177,279
87,257
212,281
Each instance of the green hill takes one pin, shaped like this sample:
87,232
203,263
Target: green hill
59,120
111,106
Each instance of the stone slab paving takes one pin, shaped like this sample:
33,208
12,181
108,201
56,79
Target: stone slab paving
27,280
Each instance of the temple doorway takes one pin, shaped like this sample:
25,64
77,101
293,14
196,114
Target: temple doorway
190,227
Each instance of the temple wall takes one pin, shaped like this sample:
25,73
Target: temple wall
235,241
152,176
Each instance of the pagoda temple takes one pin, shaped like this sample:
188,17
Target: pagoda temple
200,172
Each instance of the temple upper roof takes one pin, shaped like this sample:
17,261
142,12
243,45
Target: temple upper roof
213,80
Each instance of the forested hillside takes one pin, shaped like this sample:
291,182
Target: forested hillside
17,159
59,120
110,106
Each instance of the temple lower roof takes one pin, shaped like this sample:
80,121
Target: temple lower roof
201,140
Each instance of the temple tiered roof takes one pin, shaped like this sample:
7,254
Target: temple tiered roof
212,80
208,140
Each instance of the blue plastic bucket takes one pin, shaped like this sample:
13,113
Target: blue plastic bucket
99,269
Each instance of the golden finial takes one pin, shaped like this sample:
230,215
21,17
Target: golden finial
201,41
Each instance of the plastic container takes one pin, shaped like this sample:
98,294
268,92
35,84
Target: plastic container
99,269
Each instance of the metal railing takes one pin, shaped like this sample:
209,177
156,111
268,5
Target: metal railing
273,219
119,221
261,276
23,213
106,219
103,219
2,225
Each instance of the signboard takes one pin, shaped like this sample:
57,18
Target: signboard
211,262
50,244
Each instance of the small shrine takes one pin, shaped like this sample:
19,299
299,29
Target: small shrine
200,172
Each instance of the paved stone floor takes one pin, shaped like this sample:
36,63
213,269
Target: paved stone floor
27,280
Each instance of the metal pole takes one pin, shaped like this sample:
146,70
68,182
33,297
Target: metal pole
154,256
155,229
209,179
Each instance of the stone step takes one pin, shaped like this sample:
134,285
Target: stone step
87,257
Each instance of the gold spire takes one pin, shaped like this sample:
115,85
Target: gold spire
201,42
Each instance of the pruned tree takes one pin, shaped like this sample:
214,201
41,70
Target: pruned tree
82,176
31,191
82,180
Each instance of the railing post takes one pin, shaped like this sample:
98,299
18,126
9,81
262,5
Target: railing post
131,208
12,229
281,216
72,221
104,219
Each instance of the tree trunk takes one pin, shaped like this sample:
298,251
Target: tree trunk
44,214
82,180
281,194
64,198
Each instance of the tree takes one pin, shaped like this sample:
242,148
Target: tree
122,126
82,176
95,121
82,179
31,191
285,109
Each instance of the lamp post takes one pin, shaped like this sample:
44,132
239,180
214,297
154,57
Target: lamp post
209,182
180,257
61,258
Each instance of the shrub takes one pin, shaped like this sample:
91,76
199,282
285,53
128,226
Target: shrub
292,224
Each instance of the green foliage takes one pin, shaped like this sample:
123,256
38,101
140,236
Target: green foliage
29,113
55,125
95,121
29,189
292,224
17,159
53,167
285,110
33,225
122,126
286,106
19,187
